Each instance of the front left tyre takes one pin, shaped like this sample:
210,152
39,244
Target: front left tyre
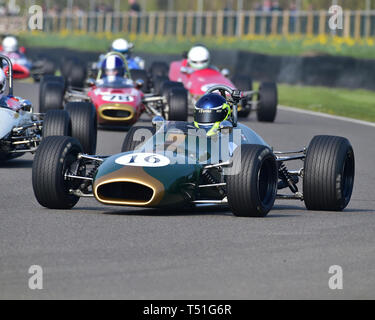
57,123
53,159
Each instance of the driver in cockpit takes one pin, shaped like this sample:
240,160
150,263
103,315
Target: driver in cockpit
113,70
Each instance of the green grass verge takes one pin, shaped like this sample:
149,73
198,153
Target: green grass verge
357,104
274,45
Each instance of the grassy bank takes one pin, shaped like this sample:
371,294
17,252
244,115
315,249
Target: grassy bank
291,45
357,104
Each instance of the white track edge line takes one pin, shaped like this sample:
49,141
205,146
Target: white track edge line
325,115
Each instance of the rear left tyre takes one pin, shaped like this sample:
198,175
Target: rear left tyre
53,159
56,123
328,174
84,124
252,186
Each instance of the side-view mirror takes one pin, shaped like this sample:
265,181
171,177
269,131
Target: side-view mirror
139,83
225,73
90,82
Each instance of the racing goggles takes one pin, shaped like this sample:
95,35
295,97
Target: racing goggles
200,62
113,72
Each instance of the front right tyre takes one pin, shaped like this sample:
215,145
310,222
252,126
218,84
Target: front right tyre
252,184
53,159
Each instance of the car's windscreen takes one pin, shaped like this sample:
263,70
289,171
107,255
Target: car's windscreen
114,83
184,139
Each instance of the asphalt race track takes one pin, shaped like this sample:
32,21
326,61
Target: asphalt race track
112,252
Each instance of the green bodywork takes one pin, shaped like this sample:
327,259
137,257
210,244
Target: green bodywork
179,179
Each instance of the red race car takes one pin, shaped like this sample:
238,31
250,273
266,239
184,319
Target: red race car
197,76
118,100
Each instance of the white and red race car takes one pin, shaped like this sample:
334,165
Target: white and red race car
24,68
198,82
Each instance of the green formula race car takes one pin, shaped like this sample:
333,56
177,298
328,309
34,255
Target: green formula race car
173,165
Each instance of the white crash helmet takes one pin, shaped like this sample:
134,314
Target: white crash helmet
10,44
199,57
122,46
3,82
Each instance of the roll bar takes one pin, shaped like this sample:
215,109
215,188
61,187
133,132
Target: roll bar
120,55
10,71
235,95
